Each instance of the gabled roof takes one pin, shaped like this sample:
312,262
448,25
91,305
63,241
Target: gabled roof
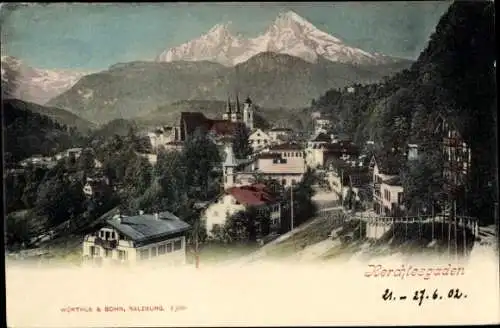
394,181
252,195
143,227
194,120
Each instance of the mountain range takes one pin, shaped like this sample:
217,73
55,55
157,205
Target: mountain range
34,84
290,64
271,80
289,34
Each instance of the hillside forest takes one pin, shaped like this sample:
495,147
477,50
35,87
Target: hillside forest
454,78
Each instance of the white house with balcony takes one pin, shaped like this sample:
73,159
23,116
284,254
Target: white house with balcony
158,238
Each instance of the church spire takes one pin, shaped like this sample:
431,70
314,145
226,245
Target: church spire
237,104
228,106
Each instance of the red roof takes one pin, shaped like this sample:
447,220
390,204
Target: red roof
223,127
252,195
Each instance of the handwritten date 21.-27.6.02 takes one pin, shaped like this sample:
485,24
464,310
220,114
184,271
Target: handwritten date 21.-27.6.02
421,295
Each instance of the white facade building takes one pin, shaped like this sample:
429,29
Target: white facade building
259,139
159,238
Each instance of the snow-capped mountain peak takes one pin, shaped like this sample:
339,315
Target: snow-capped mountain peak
288,34
291,18
36,85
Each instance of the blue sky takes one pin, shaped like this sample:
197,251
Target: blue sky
95,36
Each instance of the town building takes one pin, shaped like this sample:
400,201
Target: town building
344,176
162,136
38,161
387,187
220,129
279,135
284,163
96,187
322,124
457,155
320,152
235,199
259,140
155,238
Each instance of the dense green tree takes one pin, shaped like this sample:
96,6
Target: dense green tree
246,225
60,199
86,161
241,144
200,157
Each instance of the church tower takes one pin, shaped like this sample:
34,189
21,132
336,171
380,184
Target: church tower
228,114
248,112
235,117
229,168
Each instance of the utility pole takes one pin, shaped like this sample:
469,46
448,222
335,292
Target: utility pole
291,207
342,187
196,244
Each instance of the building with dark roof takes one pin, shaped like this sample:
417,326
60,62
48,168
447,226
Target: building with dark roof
131,239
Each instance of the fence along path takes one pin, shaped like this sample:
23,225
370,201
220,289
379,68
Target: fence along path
459,222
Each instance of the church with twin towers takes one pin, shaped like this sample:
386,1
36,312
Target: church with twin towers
237,114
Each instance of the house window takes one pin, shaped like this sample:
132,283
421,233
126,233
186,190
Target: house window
94,251
144,254
153,251
400,197
177,244
122,255
113,235
107,235
283,182
294,182
169,247
161,249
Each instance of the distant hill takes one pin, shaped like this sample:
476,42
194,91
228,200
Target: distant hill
28,132
273,80
59,115
120,127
